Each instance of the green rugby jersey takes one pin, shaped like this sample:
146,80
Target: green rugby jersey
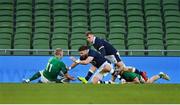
54,68
129,76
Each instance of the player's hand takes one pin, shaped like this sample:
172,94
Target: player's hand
71,78
74,59
69,68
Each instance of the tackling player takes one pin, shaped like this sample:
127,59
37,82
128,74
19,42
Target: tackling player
97,60
110,53
53,69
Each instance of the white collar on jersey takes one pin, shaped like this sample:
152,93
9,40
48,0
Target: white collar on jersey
94,39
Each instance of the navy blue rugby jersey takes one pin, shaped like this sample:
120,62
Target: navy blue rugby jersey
104,47
98,58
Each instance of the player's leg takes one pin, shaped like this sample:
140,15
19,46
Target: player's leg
88,76
34,77
136,80
117,60
156,77
153,79
44,79
164,76
103,71
118,65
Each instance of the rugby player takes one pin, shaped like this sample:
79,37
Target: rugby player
110,53
131,77
54,68
96,59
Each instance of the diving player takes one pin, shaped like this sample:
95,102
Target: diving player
131,77
97,60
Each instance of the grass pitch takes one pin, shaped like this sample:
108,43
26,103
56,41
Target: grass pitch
89,94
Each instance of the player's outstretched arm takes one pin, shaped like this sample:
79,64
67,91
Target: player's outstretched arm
69,77
74,64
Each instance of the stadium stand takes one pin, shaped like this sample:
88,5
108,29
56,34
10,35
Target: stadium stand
127,24
6,24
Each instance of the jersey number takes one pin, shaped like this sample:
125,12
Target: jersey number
49,67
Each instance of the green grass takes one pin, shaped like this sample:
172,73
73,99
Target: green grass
89,93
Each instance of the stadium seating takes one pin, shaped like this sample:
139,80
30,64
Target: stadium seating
47,24
6,25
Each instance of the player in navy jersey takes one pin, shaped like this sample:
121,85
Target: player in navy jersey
96,59
110,53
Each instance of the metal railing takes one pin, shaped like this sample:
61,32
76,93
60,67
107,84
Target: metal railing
70,52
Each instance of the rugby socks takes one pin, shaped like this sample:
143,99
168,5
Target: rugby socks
89,74
105,82
35,76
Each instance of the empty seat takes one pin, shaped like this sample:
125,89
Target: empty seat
150,7
172,36
5,46
136,47
135,36
59,43
154,41
97,2
172,41
22,42
75,44
5,43
22,36
117,41
136,30
154,47
22,47
151,2
77,29
173,47
153,19
117,30
173,30
41,44
154,36
24,2
116,36
154,30
78,36
61,30
165,2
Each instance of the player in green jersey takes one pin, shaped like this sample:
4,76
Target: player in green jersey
54,68
131,77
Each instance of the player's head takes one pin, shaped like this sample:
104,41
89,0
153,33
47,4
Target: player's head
89,36
58,52
83,51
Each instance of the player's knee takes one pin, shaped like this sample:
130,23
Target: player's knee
121,65
107,68
136,80
95,80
